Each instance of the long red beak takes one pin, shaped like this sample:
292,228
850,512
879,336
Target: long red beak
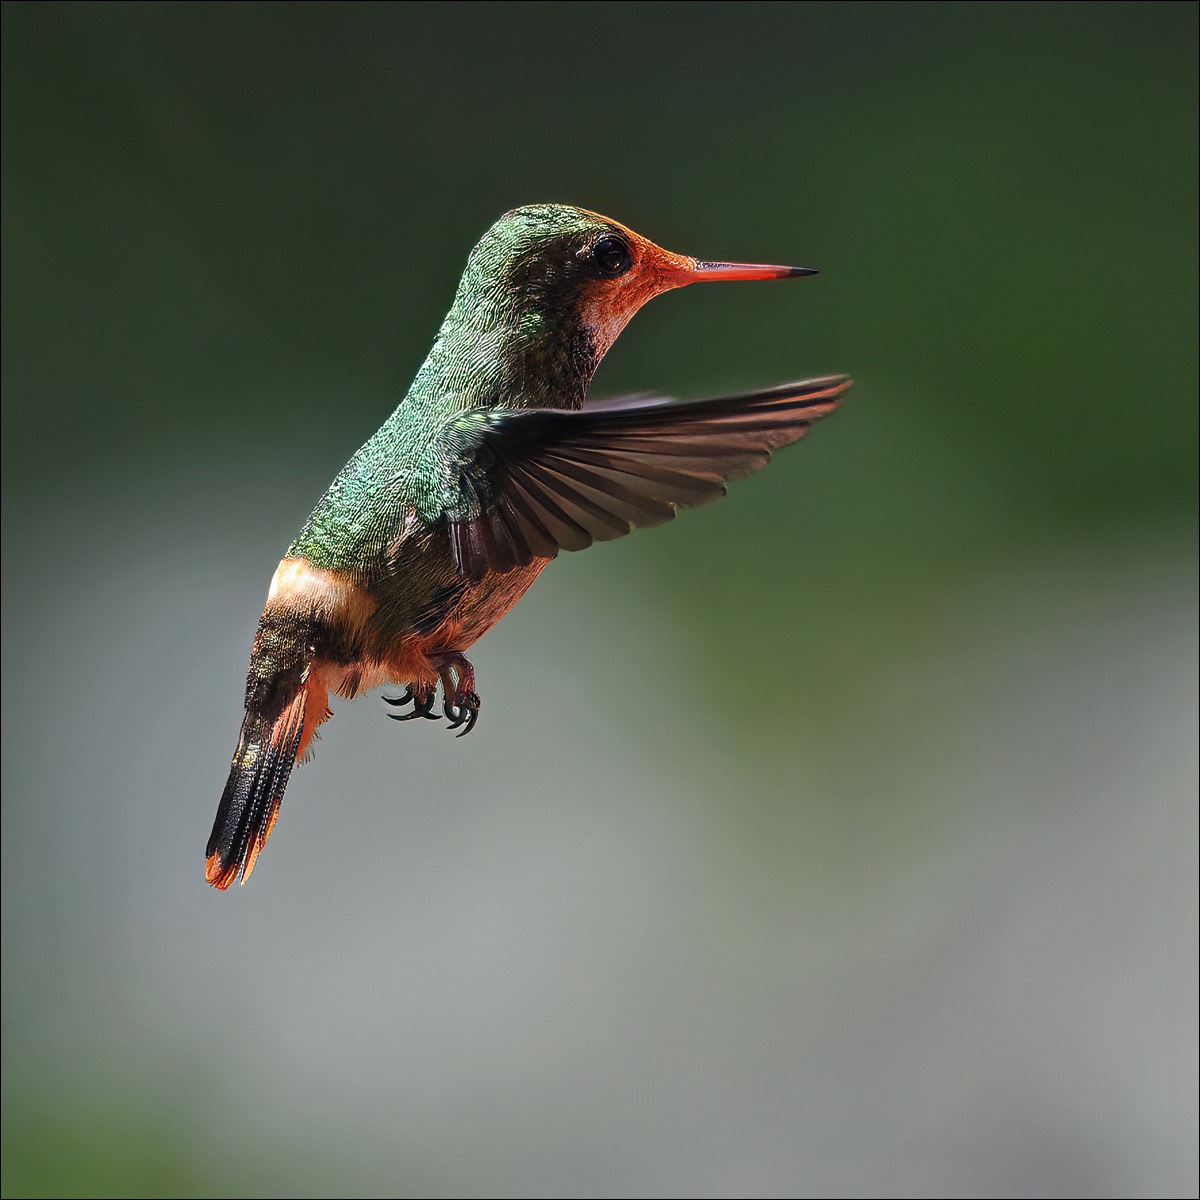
695,271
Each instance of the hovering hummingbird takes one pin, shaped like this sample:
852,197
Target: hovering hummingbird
493,463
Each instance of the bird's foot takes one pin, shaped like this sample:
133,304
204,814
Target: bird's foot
422,700
462,709
460,702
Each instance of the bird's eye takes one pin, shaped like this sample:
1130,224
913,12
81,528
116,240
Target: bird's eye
611,256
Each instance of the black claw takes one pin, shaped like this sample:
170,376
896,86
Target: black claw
461,710
422,704
468,713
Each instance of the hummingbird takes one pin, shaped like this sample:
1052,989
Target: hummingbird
492,463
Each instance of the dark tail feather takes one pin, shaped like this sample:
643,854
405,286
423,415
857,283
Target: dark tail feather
249,805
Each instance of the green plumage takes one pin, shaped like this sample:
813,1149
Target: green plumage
489,466
512,340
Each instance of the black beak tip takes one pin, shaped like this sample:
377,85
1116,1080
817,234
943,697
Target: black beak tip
793,272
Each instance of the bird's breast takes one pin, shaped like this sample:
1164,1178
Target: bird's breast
473,608
399,645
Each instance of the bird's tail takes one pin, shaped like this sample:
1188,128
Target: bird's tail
266,750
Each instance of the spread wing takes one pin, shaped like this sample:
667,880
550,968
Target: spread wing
545,480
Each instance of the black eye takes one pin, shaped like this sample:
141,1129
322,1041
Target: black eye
612,256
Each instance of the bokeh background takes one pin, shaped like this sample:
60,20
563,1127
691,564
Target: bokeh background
839,839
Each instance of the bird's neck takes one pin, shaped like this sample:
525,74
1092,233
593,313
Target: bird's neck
495,349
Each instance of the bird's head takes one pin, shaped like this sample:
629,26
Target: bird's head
560,265
544,295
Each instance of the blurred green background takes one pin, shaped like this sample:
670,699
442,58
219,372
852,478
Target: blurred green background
835,840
